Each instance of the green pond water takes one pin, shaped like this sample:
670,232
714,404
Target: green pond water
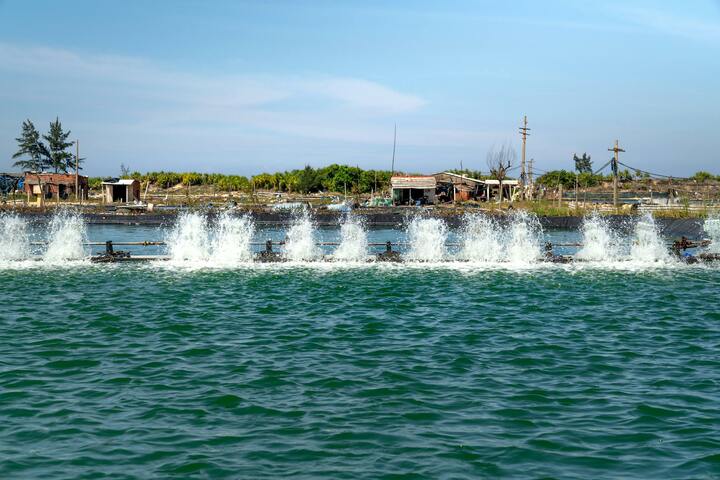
359,372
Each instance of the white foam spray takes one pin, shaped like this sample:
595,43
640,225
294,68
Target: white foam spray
66,235
712,228
647,244
481,239
231,239
353,241
523,239
300,244
427,240
600,243
14,240
189,239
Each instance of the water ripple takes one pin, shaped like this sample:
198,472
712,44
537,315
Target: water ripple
359,373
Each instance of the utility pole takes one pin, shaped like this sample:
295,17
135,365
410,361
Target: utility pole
77,171
523,174
614,164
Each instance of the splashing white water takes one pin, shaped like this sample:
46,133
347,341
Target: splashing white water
427,240
353,241
66,235
712,228
232,237
300,244
189,240
14,240
485,240
481,239
647,244
600,243
523,239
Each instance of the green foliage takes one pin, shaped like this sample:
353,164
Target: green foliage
702,177
586,179
36,156
30,149
555,178
58,158
583,164
163,179
309,180
232,183
333,178
94,183
625,176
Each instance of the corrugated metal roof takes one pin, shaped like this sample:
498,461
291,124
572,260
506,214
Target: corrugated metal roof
462,178
123,181
417,181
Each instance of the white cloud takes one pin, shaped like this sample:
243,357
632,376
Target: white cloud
226,91
172,115
365,95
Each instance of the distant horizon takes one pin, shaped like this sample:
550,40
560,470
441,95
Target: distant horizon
244,88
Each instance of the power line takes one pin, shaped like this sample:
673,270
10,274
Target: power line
650,173
601,168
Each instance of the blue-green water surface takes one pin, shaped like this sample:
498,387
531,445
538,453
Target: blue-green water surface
359,372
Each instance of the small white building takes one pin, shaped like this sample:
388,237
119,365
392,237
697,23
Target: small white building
408,189
492,189
125,190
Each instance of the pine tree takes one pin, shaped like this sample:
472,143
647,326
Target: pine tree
57,144
583,164
31,151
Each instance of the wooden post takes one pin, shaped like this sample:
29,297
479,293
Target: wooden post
615,168
560,193
523,173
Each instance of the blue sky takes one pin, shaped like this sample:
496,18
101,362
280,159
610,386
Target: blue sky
245,87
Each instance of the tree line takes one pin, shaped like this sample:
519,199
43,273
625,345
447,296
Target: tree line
585,177
333,178
48,152
567,178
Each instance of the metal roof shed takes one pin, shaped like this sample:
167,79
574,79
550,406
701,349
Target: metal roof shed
409,189
123,190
